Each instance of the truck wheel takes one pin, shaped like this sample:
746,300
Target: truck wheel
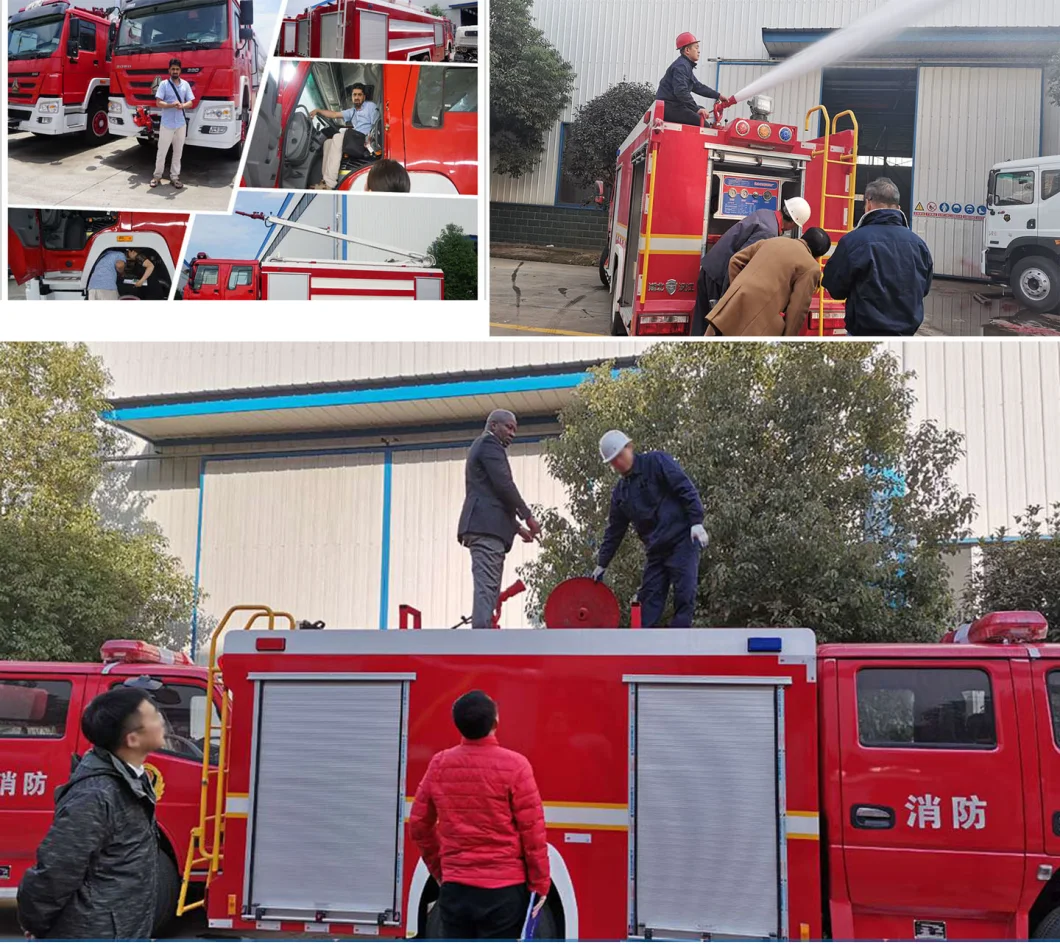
145,142
546,925
1036,283
1049,927
618,327
168,893
98,128
602,268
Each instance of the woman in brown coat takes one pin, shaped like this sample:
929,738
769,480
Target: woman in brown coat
767,279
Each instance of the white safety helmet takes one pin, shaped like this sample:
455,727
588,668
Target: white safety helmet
612,443
798,209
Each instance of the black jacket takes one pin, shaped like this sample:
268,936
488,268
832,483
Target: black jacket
97,869
659,499
491,499
680,82
883,270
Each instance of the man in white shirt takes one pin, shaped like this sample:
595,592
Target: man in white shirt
359,118
174,97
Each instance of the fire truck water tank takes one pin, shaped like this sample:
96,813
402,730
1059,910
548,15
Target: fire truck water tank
581,603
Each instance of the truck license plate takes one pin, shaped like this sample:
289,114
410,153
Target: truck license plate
929,931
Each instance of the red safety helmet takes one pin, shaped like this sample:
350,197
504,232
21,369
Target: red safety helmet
686,39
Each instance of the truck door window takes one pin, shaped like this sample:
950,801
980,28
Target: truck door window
1050,184
1053,681
34,708
904,707
184,709
204,275
86,38
1013,189
240,275
444,90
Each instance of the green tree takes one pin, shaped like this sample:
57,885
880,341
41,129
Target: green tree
530,86
600,126
795,450
1053,79
79,562
436,10
1022,574
455,255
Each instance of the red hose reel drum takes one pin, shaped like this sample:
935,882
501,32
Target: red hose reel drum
581,604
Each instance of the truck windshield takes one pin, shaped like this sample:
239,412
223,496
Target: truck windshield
35,38
173,26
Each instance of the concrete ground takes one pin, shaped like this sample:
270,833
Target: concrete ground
529,297
59,171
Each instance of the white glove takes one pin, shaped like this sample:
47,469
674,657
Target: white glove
598,573
699,535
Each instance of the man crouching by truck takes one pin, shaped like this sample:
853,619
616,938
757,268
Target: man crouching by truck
97,869
480,826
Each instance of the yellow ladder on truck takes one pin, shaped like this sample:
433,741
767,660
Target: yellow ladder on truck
831,127
201,854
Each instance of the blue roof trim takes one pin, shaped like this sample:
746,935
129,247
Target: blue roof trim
378,395
928,34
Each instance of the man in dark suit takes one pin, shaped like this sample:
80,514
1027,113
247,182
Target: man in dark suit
489,520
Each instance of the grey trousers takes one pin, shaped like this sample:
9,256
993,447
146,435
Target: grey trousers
487,569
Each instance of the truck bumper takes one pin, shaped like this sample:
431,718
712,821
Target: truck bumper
211,125
994,265
47,117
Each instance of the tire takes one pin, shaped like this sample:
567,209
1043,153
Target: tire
97,129
244,126
168,893
145,142
618,327
547,928
1036,283
1049,928
602,268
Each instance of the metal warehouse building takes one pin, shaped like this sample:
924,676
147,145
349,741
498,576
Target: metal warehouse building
328,478
938,104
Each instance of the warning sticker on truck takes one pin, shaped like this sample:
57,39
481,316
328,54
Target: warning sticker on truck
928,930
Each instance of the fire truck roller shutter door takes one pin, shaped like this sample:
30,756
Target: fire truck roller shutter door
330,46
290,286
706,818
374,32
428,288
326,805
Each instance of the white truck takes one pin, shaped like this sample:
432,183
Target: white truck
466,44
1021,238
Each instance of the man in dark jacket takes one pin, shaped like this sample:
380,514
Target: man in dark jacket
479,824
679,82
714,265
492,508
97,869
662,503
882,268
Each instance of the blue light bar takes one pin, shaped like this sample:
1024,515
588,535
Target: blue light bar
764,645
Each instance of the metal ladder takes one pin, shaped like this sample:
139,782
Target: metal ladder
851,161
202,856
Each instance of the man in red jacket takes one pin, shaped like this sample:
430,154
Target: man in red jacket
480,827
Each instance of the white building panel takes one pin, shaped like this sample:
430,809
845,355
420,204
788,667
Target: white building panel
1051,129
791,101
968,119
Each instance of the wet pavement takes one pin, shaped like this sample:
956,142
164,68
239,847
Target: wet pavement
530,297
63,171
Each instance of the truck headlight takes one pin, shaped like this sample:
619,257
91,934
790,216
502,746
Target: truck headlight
218,113
113,107
48,108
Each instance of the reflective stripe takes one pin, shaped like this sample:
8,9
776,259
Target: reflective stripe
803,825
676,244
237,805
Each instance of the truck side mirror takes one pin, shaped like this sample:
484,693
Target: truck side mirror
599,199
112,39
73,38
246,14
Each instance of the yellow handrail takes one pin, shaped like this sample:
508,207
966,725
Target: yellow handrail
647,235
210,857
824,195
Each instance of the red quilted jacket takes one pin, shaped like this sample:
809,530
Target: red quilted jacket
478,819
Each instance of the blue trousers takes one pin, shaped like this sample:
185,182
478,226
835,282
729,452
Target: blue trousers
677,565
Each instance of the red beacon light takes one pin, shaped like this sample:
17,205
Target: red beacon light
1002,626
136,651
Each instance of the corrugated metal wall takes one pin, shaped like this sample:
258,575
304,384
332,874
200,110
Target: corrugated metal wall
141,369
968,119
791,101
1051,130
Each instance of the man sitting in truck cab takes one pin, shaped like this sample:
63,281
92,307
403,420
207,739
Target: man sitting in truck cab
359,119
679,82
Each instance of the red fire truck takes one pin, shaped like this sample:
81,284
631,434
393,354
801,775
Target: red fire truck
53,252
679,188
428,121
41,743
281,277
697,783
367,30
221,58
58,70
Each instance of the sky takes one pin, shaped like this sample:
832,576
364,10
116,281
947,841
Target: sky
233,237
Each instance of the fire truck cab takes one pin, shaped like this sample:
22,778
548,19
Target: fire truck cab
221,60
58,70
678,189
41,743
427,121
53,252
705,783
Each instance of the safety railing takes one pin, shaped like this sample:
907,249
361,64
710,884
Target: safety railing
203,855
831,126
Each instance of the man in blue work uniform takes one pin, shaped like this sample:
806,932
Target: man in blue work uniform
359,120
753,228
662,503
680,82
